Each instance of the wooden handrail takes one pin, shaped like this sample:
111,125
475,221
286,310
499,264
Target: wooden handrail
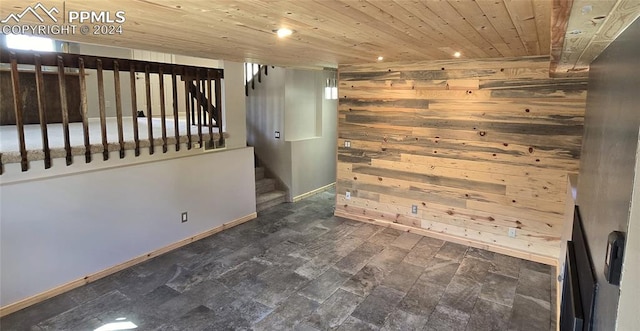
258,74
70,60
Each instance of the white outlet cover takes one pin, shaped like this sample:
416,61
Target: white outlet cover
347,195
512,232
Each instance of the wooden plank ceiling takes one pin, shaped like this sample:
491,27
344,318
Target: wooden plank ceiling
333,32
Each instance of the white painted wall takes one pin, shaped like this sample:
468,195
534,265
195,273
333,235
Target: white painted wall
303,107
234,101
59,228
197,61
314,160
265,115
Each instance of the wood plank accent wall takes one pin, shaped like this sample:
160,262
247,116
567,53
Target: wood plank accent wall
479,146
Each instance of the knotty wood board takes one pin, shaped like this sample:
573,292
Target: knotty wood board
30,100
478,146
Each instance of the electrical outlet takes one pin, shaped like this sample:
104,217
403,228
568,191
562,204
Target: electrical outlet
277,134
414,209
347,195
512,232
347,144
184,217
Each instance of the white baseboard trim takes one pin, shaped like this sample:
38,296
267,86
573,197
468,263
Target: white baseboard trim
316,191
24,303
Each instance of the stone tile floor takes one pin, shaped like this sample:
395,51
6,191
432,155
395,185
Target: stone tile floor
297,267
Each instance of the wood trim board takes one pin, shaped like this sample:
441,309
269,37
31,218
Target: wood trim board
316,191
443,236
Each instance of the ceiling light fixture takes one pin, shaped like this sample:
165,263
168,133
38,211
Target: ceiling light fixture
283,32
380,58
456,54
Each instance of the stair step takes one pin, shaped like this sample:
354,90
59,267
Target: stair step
259,173
269,199
265,185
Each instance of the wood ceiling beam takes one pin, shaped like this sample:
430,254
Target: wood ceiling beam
582,29
559,21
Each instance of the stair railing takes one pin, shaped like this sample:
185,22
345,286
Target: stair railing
256,72
207,80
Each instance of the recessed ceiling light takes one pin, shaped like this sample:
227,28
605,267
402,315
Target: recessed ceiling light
283,32
456,54
380,58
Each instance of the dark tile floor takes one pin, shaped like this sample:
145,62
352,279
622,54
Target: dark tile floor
297,267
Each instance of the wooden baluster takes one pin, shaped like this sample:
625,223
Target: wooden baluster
246,79
163,114
219,109
116,83
187,83
205,114
41,111
147,82
210,107
199,95
83,110
17,104
259,74
174,84
102,109
193,105
253,76
65,112
134,107
266,72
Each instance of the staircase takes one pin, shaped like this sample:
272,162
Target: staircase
266,193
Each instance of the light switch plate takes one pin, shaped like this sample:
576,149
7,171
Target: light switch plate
347,195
